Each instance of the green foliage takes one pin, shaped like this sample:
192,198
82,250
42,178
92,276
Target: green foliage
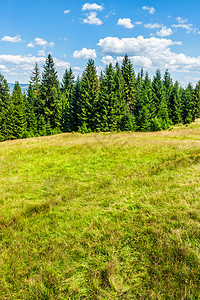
50,99
4,105
114,101
89,96
129,83
16,117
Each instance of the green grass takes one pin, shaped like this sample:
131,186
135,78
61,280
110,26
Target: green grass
101,216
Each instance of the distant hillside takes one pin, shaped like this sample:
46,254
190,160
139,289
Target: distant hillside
24,86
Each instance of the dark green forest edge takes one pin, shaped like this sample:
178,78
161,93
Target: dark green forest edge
117,100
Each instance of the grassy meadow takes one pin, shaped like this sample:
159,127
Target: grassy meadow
101,216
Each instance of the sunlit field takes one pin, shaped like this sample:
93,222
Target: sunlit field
101,216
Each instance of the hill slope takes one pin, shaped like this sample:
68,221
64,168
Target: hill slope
101,216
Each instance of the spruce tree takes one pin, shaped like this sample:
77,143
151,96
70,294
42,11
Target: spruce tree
168,87
175,104
49,104
158,91
129,83
109,103
187,97
75,112
196,107
4,106
16,119
89,97
67,90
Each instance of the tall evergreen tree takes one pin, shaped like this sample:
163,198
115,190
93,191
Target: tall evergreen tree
168,87
129,83
75,113
50,105
4,105
158,91
187,97
196,107
175,104
89,97
67,90
16,119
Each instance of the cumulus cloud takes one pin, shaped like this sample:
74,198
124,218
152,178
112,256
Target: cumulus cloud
125,22
148,53
151,10
106,60
12,39
181,20
92,6
40,42
164,31
66,11
133,46
92,19
41,52
30,45
2,67
85,53
152,26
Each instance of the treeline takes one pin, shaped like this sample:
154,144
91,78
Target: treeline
116,100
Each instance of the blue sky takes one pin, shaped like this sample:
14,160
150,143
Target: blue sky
155,34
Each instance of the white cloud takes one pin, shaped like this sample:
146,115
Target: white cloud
126,22
181,20
30,45
106,60
92,19
20,59
85,53
2,67
41,52
78,69
151,10
141,61
188,27
152,26
133,46
149,53
40,42
164,31
92,6
138,23
66,11
61,64
12,39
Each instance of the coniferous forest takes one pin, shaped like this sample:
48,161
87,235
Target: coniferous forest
117,100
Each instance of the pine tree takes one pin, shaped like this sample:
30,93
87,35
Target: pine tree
89,97
67,90
16,119
49,104
35,80
109,103
187,97
75,112
158,91
4,106
175,104
168,88
196,108
129,83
